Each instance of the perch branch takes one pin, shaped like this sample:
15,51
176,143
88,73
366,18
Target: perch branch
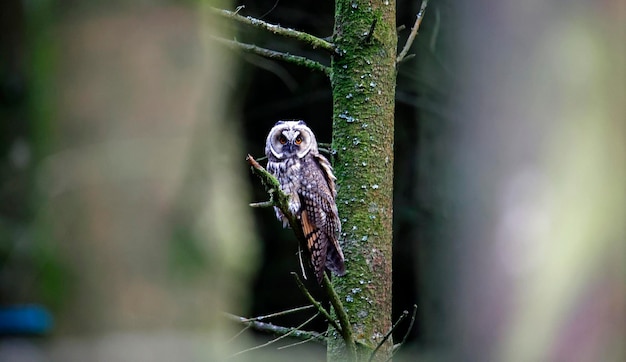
307,38
293,331
413,34
281,200
404,314
272,54
278,199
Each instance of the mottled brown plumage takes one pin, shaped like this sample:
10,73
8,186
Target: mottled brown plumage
307,177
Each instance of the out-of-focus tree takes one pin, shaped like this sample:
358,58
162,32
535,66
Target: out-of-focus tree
539,183
139,196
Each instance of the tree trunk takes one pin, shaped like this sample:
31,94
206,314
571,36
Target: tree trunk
363,82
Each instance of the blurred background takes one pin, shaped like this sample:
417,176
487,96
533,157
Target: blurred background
125,230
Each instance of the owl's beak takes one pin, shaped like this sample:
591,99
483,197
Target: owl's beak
290,147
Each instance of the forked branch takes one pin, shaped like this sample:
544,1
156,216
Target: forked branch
396,347
413,34
307,38
277,330
277,197
290,333
272,54
388,334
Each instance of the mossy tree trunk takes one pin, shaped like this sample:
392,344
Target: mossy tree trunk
363,84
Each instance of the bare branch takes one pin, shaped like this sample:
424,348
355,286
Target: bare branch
301,262
272,54
298,343
262,204
396,347
413,34
293,332
277,314
307,38
239,333
404,314
239,8
274,329
436,27
317,304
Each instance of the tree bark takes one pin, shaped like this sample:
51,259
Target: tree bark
363,84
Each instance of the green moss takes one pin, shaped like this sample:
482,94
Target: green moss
363,80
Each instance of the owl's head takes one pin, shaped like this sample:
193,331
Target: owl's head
290,139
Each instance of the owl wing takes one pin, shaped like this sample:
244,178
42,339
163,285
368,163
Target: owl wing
319,218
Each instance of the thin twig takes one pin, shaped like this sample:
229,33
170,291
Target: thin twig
272,54
317,304
404,314
278,338
368,35
277,330
262,204
396,347
278,314
299,343
307,38
239,333
328,152
436,27
301,262
409,41
270,10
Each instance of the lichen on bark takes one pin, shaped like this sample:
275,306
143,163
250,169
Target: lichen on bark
363,79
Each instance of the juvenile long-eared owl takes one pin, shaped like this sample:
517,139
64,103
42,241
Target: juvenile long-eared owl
307,177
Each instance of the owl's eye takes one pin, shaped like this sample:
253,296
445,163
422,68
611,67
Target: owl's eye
282,139
298,140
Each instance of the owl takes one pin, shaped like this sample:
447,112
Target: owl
307,177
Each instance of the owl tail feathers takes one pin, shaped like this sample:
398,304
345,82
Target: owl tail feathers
335,261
